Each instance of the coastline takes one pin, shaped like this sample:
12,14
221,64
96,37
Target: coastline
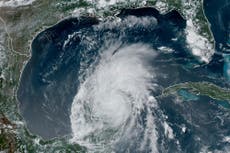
21,63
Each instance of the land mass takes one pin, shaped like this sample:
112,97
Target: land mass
19,25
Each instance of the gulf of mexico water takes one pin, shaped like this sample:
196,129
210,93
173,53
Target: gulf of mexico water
100,82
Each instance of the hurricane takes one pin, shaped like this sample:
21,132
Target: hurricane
108,109
128,83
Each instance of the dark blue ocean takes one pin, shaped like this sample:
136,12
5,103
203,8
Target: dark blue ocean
63,53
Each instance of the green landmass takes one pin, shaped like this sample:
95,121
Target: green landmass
200,88
20,25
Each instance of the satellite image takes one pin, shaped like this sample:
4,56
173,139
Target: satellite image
114,76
